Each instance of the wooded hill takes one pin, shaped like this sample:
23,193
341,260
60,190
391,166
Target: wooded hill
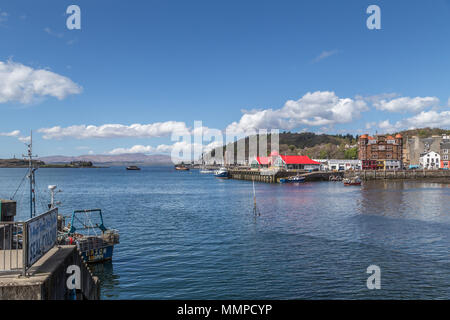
326,146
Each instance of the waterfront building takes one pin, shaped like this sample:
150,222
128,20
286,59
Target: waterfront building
339,164
380,152
430,160
445,153
285,162
414,147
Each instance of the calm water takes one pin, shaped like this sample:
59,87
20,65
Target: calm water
190,236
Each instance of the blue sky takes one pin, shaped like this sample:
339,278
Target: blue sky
236,64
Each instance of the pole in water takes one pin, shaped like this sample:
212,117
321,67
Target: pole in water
256,212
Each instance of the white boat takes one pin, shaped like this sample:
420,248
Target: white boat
221,173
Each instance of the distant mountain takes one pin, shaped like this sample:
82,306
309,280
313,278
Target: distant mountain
114,160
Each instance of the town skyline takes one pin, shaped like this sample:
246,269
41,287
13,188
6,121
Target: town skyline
159,69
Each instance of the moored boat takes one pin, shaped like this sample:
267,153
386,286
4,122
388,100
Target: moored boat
96,247
352,182
296,179
181,167
221,173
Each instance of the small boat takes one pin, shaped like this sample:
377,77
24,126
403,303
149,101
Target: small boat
352,182
204,170
221,173
181,167
296,179
96,247
133,168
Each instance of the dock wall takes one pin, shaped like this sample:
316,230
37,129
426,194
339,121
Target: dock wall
260,176
47,279
399,174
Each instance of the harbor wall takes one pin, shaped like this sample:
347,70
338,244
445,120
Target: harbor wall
47,279
261,176
399,174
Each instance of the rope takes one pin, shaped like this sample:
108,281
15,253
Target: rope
20,184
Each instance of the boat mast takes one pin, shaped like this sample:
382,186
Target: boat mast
31,176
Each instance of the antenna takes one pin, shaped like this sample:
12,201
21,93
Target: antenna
52,189
31,176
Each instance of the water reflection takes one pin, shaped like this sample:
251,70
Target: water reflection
108,279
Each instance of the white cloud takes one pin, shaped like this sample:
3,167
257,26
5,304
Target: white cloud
320,108
180,150
14,133
406,104
24,84
432,119
3,16
325,54
157,129
52,33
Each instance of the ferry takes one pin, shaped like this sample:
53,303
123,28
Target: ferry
221,173
133,168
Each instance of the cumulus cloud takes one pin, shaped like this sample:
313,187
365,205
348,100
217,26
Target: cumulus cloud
181,150
320,108
405,104
20,83
432,119
15,134
157,129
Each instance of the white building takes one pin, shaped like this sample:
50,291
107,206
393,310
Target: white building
430,160
339,164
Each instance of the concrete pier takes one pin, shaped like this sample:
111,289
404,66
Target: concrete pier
46,279
265,176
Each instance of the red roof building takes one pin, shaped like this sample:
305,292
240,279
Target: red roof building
287,162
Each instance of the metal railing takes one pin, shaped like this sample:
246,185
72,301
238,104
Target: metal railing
13,247
23,243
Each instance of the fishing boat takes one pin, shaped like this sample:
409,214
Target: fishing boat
352,182
94,241
221,173
296,179
133,168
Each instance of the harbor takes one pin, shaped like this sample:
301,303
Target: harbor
186,234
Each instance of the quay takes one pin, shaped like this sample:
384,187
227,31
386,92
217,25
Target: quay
46,279
274,176
398,174
32,264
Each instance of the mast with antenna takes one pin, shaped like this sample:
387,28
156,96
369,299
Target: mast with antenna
31,176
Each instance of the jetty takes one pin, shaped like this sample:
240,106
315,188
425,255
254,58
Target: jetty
274,176
366,175
34,267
